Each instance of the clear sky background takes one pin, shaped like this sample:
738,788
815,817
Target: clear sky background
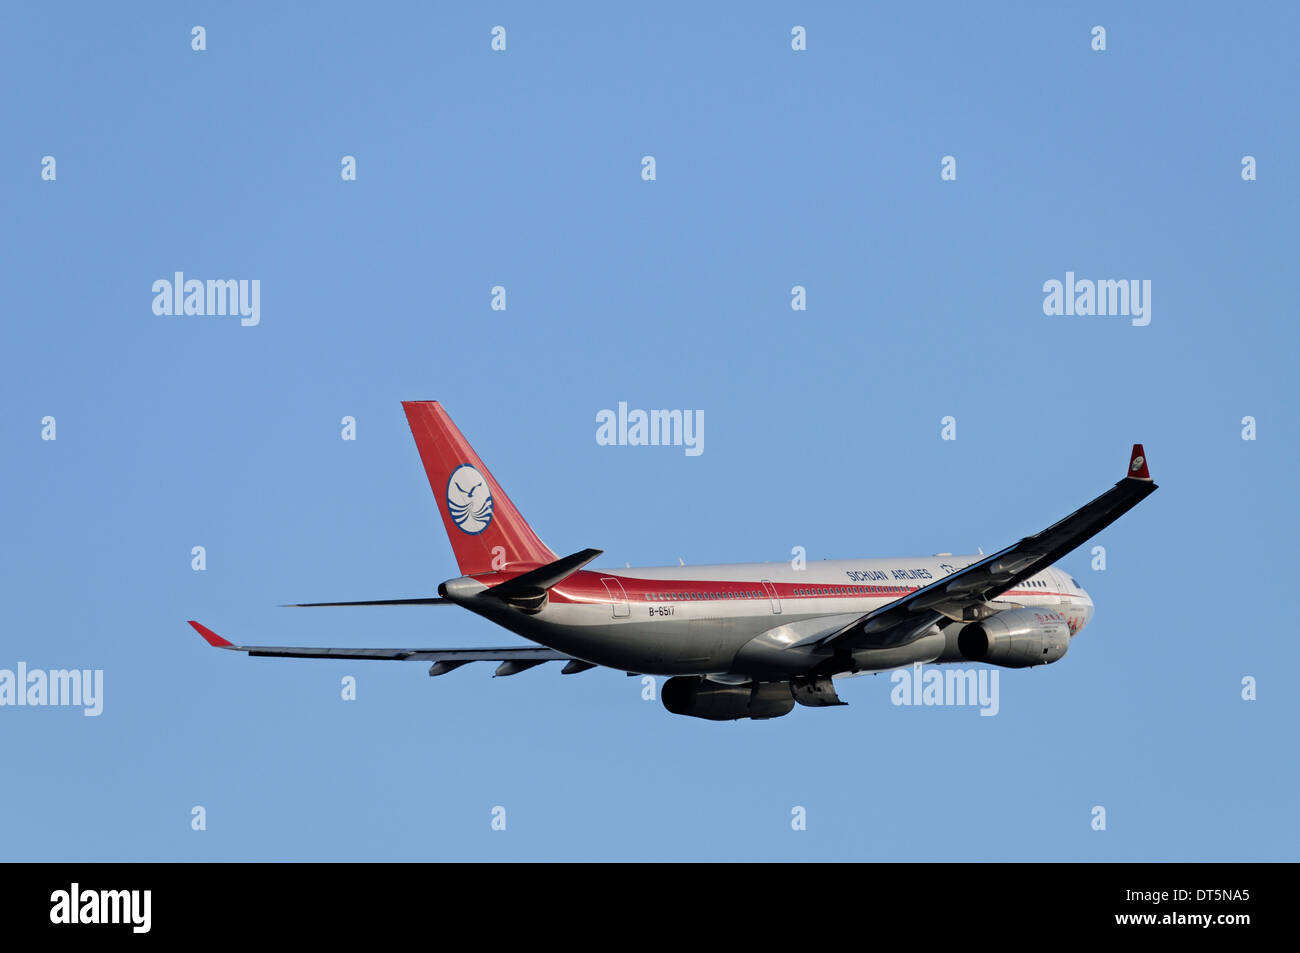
775,168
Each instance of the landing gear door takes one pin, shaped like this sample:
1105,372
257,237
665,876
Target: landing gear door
618,596
771,595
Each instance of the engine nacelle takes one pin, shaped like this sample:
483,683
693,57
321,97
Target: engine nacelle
1016,638
700,698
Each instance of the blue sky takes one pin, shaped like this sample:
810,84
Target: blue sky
522,168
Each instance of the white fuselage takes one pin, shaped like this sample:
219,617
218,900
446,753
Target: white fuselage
747,619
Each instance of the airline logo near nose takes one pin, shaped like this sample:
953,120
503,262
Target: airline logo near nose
469,501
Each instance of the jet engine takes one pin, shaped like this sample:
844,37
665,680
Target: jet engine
1016,638
700,698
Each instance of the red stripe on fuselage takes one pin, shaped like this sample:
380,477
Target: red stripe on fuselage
585,587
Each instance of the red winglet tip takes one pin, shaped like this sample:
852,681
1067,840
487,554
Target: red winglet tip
1137,464
209,636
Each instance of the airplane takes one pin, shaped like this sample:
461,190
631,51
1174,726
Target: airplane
746,640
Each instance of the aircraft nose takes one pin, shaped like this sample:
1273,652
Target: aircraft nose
1086,607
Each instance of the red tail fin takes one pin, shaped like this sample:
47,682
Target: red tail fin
485,529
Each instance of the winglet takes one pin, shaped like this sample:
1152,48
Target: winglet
214,640
1137,464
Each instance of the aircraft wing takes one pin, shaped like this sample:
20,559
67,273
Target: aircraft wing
964,595
513,659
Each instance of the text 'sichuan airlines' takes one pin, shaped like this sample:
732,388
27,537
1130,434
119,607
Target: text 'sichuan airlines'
747,640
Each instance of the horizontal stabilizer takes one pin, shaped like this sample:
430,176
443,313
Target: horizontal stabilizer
536,581
434,601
